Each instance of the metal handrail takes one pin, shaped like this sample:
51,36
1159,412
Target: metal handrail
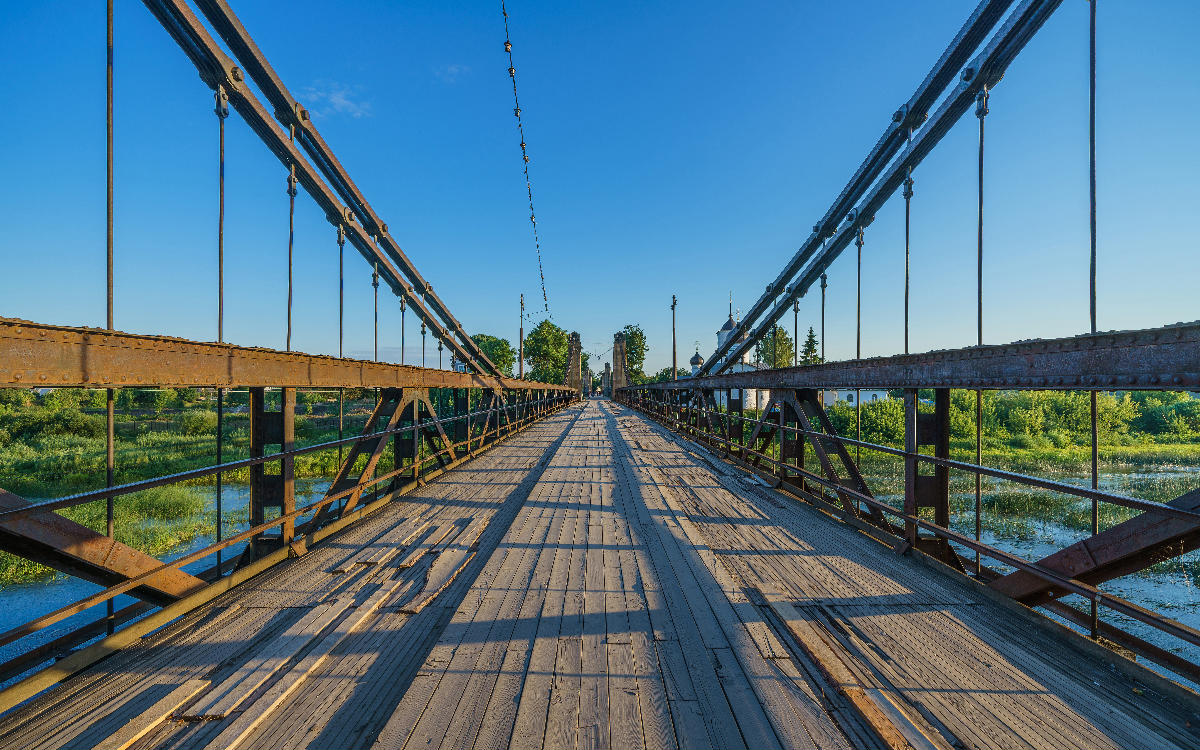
1072,585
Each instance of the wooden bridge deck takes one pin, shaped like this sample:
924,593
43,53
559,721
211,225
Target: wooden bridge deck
596,582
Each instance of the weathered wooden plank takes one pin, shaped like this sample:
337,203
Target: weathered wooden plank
228,693
658,729
830,663
496,728
240,728
562,719
593,689
532,710
463,690
141,725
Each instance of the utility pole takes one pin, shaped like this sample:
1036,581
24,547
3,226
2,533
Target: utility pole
674,366
521,342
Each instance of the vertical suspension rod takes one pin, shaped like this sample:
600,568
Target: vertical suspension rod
291,191
908,194
858,241
375,288
341,241
981,111
110,415
221,109
1095,613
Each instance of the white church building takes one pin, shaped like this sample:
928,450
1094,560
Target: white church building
751,398
757,398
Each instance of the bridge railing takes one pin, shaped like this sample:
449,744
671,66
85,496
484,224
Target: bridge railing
791,442
428,420
421,424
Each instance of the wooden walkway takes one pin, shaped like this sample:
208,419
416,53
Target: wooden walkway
595,582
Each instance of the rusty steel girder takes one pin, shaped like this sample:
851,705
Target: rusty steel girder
1125,548
62,544
35,355
1166,358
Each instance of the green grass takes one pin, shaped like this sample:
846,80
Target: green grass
154,521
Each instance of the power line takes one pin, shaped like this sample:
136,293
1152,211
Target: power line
537,244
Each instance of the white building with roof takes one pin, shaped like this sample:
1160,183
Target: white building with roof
757,398
752,398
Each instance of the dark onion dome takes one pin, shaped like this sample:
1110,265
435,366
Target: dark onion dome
729,325
697,360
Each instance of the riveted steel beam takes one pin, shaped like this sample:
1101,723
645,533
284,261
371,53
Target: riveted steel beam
1165,358
36,355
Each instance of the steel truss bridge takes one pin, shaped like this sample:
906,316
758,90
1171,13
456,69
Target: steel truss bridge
499,562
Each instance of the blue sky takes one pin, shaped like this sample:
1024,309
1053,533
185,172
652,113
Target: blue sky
676,148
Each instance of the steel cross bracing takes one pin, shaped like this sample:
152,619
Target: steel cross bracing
858,202
369,233
793,422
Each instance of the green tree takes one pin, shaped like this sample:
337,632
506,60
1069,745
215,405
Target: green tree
546,353
498,350
635,350
149,399
16,396
664,374
64,398
810,354
775,349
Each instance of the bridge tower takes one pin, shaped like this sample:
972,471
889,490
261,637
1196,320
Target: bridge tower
606,381
620,373
574,357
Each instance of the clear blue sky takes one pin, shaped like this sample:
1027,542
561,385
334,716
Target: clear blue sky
679,148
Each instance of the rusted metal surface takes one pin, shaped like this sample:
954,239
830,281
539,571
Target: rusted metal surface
1126,548
72,548
37,355
1166,358
272,491
1164,531
352,475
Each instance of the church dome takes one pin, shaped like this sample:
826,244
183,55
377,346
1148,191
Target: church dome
729,325
697,360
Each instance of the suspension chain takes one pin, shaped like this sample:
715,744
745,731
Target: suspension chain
537,244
